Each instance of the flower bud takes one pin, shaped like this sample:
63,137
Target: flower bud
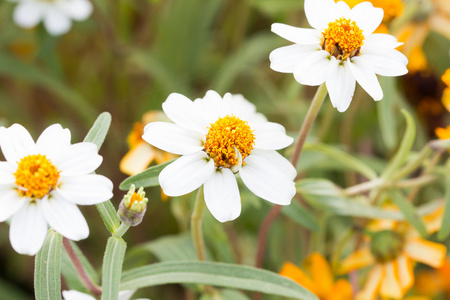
133,206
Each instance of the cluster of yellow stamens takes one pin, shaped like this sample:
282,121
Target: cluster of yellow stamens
225,136
342,39
36,176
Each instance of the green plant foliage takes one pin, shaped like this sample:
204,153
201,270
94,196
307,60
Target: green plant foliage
112,267
146,178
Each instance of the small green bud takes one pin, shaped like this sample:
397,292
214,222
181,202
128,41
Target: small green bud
133,206
386,245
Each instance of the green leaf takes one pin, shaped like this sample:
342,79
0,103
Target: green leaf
404,149
387,112
409,212
112,267
170,248
343,158
109,215
301,215
98,131
217,274
146,178
70,274
445,226
47,272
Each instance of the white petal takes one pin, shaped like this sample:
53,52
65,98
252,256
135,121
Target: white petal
378,41
267,181
342,9
53,141
340,85
16,143
85,190
367,17
182,111
78,9
76,295
271,136
10,203
126,295
28,230
186,174
65,218
319,13
278,161
56,21
303,36
172,138
366,77
78,159
284,59
222,195
312,69
386,62
27,14
7,171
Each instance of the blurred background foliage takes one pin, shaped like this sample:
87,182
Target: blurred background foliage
131,54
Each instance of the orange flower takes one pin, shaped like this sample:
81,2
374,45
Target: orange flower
391,8
434,282
318,278
443,133
393,248
446,93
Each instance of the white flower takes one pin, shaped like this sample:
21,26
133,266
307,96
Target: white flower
41,183
56,14
76,295
217,139
340,49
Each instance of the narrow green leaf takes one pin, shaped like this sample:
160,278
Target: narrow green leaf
404,149
344,158
109,215
98,131
409,212
112,267
47,272
146,178
301,215
386,113
445,227
217,274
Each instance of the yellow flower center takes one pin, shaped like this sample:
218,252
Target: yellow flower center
342,39
135,198
36,176
225,136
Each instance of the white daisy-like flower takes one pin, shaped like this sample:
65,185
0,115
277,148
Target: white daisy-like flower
339,49
41,183
57,15
76,295
219,138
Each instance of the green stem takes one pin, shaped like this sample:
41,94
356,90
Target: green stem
410,167
196,225
121,230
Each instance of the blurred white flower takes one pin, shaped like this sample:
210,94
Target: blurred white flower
339,49
217,139
41,183
57,15
76,295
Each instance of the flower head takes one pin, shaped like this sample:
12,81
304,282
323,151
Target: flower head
318,278
57,15
41,183
340,50
218,138
133,206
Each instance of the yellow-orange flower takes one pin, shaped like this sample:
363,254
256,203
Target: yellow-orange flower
318,278
391,8
446,93
394,247
435,281
142,154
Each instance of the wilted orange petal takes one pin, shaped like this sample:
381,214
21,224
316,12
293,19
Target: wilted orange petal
320,271
390,285
446,98
373,283
419,61
433,221
340,290
446,77
295,273
432,254
405,272
137,159
358,259
443,133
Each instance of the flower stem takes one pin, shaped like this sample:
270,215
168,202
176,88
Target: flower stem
311,115
121,230
196,225
88,283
